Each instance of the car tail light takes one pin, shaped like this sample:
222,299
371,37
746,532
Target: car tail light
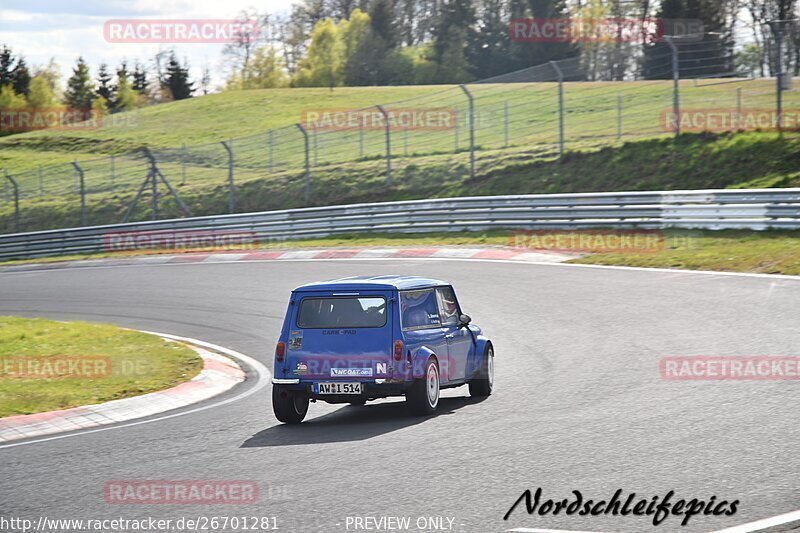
280,349
398,350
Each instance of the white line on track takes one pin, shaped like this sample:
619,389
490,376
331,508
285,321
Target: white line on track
262,380
760,525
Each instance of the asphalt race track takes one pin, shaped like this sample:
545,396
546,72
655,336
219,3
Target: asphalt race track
579,403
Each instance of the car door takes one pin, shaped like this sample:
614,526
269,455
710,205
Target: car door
420,318
459,340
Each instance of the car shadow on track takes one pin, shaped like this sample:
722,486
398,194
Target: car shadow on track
352,423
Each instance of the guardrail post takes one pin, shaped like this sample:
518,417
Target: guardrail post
231,190
308,163
471,130
676,99
388,145
15,188
269,151
82,184
560,76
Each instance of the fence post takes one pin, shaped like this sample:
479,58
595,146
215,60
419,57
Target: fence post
405,140
455,129
560,107
361,136
776,30
308,165
471,130
183,164
505,124
79,172
154,198
388,145
15,187
619,117
269,149
738,108
41,181
676,100
315,145
113,171
231,191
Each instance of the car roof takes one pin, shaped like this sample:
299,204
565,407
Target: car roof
373,282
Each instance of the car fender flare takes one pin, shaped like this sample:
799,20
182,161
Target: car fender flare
476,359
419,359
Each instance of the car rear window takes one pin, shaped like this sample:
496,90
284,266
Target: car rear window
342,312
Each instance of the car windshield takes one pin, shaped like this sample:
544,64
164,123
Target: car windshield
342,312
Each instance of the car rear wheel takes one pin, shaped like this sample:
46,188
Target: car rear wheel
290,407
481,386
423,396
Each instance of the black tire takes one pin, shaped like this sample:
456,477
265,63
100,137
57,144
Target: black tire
419,401
290,407
481,386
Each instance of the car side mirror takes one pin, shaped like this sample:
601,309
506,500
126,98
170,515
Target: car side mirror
464,320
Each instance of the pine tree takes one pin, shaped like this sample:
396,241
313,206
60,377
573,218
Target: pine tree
6,60
21,78
104,89
177,80
139,78
80,89
453,38
367,64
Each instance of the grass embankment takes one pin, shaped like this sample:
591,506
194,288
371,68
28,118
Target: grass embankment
108,363
771,252
693,161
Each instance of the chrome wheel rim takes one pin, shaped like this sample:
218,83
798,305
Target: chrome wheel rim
490,365
432,385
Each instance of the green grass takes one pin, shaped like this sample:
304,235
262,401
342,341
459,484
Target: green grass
692,161
425,163
139,363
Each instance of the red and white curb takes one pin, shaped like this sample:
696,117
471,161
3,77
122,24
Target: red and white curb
502,253
219,374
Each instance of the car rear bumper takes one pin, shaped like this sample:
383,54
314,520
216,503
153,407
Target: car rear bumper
376,388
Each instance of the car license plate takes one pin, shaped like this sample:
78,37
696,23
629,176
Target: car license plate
338,388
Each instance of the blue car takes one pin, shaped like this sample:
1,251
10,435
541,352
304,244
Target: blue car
356,339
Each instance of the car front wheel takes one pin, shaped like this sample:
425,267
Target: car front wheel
423,397
481,386
290,407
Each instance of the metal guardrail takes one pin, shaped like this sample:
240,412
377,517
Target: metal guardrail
756,209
